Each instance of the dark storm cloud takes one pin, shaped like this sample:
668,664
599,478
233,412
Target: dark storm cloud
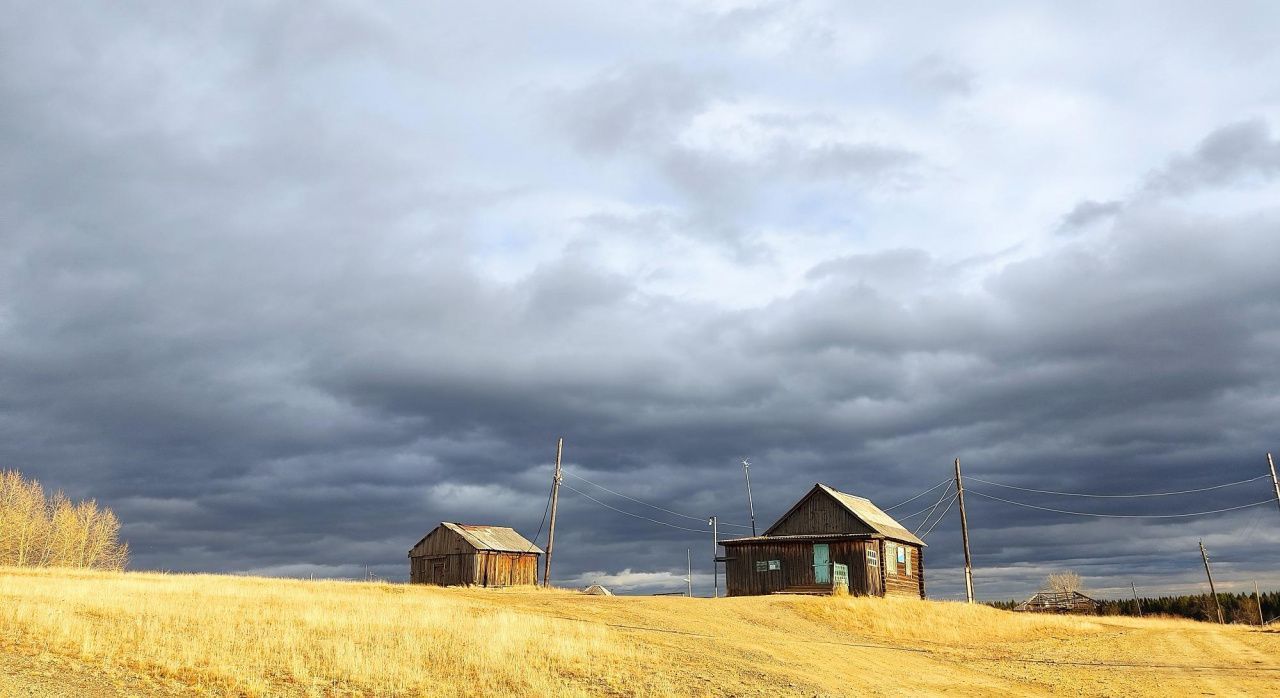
266,313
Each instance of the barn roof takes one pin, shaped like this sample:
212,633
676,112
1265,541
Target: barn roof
861,507
498,538
1057,601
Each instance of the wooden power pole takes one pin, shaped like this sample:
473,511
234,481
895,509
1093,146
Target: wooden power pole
714,523
751,508
688,572
1136,602
1212,590
1258,598
1274,482
555,499
964,536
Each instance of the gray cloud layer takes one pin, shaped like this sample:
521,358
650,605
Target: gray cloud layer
286,288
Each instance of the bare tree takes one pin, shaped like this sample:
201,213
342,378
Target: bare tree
1062,582
40,531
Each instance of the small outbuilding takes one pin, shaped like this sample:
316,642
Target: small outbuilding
827,541
489,556
1058,602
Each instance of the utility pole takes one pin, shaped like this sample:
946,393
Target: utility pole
1258,598
555,499
964,536
688,575
746,471
1136,602
1212,590
1274,482
714,523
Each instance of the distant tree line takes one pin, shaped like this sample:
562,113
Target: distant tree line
39,530
1236,608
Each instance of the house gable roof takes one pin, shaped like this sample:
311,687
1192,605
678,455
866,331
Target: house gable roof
860,507
495,538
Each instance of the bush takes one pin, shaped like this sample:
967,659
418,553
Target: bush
41,531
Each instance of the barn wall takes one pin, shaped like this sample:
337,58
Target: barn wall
499,569
902,584
441,541
819,513
796,558
443,557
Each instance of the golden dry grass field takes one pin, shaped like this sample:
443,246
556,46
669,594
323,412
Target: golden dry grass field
66,632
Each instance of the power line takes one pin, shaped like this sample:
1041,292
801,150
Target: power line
936,504
1117,496
652,506
895,506
1122,516
928,508
940,517
621,511
543,522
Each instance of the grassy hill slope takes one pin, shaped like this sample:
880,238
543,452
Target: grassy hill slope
68,632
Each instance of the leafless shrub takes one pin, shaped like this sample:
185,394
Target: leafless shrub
50,531
1062,582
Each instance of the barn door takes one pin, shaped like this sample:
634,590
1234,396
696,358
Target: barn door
821,563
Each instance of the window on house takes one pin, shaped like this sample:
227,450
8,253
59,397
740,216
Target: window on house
873,560
890,559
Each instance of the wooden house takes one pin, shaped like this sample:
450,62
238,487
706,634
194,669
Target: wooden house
827,540
1058,602
488,556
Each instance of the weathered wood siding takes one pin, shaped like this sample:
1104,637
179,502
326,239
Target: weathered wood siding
901,583
796,561
495,569
447,559
818,513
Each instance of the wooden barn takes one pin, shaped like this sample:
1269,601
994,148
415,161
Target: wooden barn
1058,602
488,556
828,539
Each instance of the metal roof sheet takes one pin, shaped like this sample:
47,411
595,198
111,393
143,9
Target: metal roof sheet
800,537
871,514
497,538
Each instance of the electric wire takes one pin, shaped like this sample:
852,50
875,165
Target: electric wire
623,511
928,508
933,509
895,506
942,516
1115,496
1123,516
544,520
652,506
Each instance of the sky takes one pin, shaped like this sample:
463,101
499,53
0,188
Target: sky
287,284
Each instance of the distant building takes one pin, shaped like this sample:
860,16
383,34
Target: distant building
1058,602
828,539
488,556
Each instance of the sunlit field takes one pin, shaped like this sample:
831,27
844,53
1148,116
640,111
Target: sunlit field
119,633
